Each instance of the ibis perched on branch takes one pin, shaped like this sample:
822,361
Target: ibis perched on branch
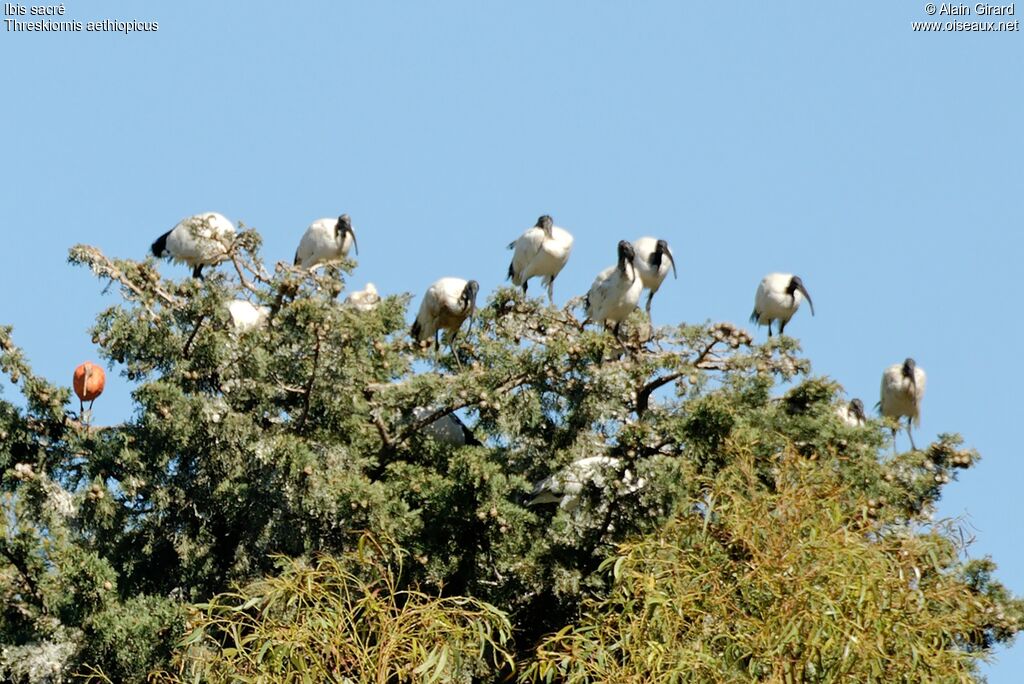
88,382
852,413
448,429
653,258
199,240
565,486
246,316
543,250
446,304
902,391
615,291
366,299
777,299
326,240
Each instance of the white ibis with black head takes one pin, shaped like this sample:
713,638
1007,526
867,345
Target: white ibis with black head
326,240
615,291
902,392
446,304
777,299
852,413
543,250
653,258
199,240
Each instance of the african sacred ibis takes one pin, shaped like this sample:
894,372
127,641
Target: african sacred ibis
245,316
325,240
565,486
615,291
366,299
852,413
902,391
653,258
542,250
446,304
199,240
448,429
777,299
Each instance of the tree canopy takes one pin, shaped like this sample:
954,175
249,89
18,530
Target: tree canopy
277,505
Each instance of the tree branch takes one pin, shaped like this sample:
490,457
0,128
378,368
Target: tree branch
102,266
643,395
312,379
26,576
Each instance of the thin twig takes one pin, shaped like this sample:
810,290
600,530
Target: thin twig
188,343
246,283
101,265
312,378
415,426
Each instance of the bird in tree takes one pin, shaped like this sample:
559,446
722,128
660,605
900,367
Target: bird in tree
325,240
543,250
615,292
777,299
88,381
447,303
902,392
199,240
653,258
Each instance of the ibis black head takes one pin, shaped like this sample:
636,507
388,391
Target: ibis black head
343,227
908,369
795,284
545,223
468,297
159,246
662,250
857,409
626,255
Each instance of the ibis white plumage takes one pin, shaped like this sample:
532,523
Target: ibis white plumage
366,299
615,291
653,258
326,240
446,305
198,240
543,250
246,316
901,394
777,299
565,486
852,413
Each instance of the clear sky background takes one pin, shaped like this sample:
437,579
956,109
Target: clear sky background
883,166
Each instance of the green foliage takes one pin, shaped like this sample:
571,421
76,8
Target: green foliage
790,584
341,619
295,439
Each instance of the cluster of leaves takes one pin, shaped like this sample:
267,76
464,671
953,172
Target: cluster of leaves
296,439
782,584
339,618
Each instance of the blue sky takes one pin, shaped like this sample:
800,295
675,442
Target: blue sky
884,166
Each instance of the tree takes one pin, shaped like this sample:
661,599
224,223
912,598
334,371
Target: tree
299,438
